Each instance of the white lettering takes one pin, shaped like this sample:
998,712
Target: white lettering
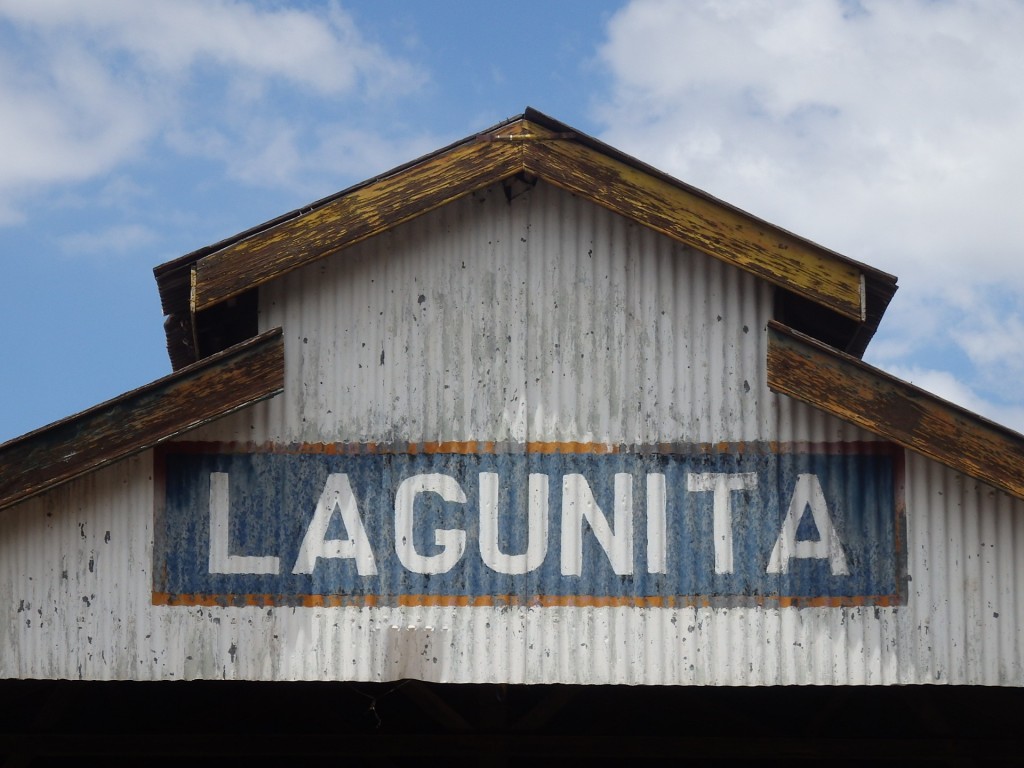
220,560
613,532
337,494
722,484
657,528
808,493
537,526
451,540
578,503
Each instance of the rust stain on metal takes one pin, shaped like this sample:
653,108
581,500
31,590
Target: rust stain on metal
471,447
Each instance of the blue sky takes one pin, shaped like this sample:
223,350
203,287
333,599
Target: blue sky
136,131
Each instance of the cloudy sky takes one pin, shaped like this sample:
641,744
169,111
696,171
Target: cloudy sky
133,131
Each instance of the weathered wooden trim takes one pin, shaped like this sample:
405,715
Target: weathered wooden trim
363,213
555,156
856,392
195,395
698,221
851,296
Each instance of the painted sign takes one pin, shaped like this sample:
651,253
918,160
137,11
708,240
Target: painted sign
571,524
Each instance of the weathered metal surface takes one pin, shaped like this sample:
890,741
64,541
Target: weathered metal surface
856,392
76,566
238,377
507,525
540,319
526,318
175,278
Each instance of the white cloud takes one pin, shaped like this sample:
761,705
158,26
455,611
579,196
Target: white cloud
909,112
364,153
67,123
87,87
116,240
945,385
889,131
321,49
283,153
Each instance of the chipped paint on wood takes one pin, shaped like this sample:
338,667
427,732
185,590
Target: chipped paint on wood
856,392
365,212
193,396
711,227
669,208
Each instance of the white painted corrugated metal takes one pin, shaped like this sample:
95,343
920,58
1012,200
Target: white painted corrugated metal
543,319
539,318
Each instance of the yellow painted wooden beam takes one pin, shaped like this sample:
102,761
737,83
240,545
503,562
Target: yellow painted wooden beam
643,196
362,213
701,222
854,391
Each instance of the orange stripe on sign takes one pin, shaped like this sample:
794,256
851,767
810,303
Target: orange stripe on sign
491,447
502,601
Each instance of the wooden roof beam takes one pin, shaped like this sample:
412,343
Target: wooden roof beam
572,162
353,217
856,392
237,377
697,220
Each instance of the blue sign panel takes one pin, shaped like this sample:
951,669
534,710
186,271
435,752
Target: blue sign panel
341,525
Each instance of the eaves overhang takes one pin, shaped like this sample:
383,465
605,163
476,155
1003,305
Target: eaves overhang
188,398
848,388
207,295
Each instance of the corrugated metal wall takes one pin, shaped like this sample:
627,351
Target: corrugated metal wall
543,319
532,319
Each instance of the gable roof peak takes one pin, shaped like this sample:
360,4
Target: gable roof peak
825,294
